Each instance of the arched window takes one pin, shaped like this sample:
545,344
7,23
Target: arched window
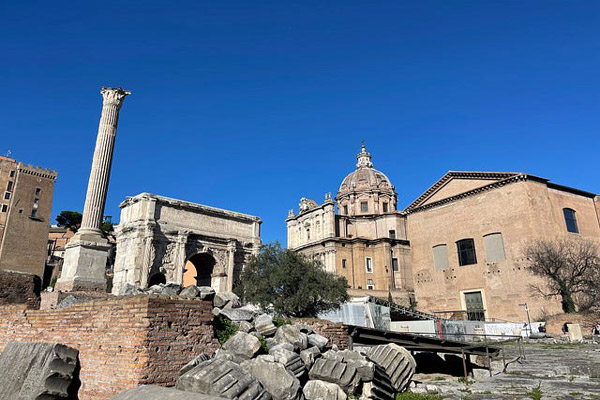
466,252
570,220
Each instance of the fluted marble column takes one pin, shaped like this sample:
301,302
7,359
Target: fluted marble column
84,265
95,199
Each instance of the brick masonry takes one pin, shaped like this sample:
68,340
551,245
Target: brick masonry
122,342
336,332
20,288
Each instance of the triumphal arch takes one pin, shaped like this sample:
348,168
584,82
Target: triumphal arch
161,239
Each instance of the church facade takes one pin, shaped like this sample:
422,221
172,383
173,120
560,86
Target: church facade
456,250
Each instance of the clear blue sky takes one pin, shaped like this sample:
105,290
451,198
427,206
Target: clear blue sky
251,105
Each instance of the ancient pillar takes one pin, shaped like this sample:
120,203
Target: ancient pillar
86,254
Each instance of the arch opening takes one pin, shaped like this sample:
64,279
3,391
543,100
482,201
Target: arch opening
156,279
198,270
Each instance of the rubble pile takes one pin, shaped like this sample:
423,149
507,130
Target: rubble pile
261,358
266,359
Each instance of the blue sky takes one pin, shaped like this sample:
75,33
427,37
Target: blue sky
251,105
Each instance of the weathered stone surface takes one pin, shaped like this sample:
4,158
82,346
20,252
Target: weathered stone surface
242,345
30,370
291,334
206,292
71,300
334,371
245,326
264,325
201,358
171,288
290,360
190,292
320,390
130,290
366,369
280,384
237,314
218,377
226,299
145,392
314,339
286,346
309,356
397,362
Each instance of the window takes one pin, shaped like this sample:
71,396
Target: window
38,191
36,201
570,220
34,213
344,263
370,285
369,265
392,234
494,247
9,186
474,303
466,252
345,210
440,257
4,208
364,206
308,234
12,174
385,207
395,264
6,195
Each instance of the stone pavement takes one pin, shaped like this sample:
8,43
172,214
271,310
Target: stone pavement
561,371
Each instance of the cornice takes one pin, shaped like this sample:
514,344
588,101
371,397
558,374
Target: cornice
459,175
451,199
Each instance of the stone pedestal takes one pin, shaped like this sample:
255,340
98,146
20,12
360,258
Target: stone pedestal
85,264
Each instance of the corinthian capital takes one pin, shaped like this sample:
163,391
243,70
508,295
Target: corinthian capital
114,96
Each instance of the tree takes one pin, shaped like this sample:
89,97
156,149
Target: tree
294,285
69,219
571,269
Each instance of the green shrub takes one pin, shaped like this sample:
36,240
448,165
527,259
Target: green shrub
280,321
224,328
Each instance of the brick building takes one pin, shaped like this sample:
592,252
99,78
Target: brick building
457,249
25,206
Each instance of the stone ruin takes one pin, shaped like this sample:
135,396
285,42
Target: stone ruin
160,239
263,361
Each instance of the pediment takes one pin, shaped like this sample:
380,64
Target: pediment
457,182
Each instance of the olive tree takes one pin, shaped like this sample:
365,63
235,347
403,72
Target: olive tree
292,284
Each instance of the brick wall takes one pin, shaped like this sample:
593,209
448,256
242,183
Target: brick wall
122,341
587,321
20,288
336,332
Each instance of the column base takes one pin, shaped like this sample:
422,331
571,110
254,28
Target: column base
84,267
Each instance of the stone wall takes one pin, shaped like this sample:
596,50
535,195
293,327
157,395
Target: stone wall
20,288
122,342
336,332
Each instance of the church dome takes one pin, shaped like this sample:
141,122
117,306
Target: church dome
366,191
364,177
